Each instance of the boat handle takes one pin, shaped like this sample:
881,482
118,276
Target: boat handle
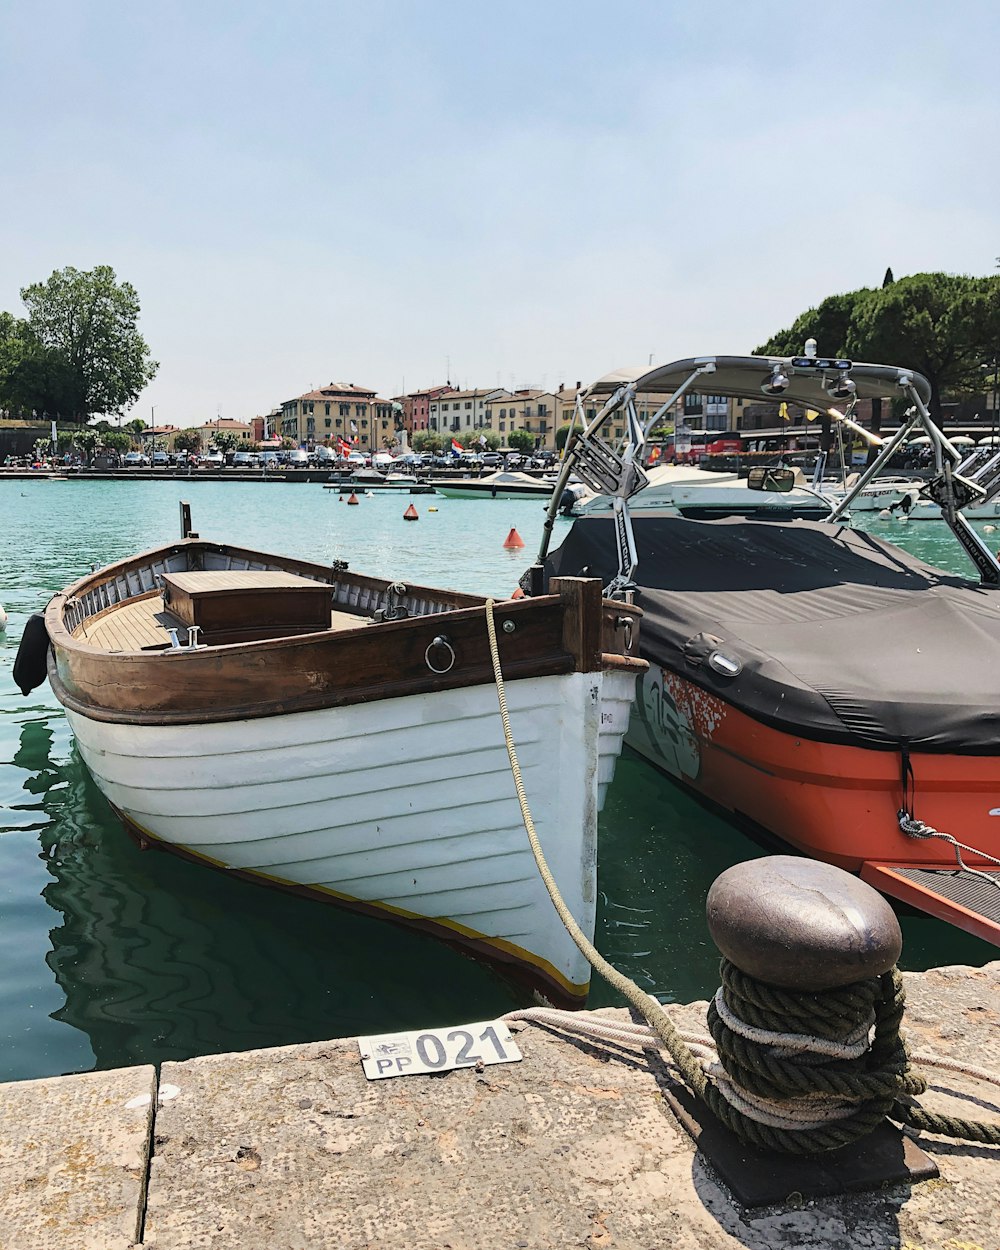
440,642
625,623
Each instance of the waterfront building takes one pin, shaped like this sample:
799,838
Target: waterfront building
267,428
525,409
221,425
416,407
339,410
459,412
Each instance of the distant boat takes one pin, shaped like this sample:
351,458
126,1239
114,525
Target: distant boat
504,484
700,494
373,479
339,735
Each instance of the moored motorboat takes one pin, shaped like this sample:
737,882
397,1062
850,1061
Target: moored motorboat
817,684
684,490
504,484
339,735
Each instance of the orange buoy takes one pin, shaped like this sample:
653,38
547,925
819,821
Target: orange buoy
353,498
411,514
513,541
518,594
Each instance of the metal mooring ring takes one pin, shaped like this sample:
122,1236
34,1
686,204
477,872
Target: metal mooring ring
440,641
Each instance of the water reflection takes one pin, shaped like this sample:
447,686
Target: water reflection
113,956
162,959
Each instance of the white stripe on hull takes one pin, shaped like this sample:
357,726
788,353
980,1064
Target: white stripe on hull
407,803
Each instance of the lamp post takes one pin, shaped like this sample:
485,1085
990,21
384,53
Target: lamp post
993,364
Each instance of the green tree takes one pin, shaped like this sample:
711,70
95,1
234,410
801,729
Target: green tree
942,325
521,440
423,441
33,377
117,440
89,322
224,440
187,440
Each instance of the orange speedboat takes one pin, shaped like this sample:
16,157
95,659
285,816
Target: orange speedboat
814,682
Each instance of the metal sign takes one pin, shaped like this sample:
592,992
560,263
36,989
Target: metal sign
437,1050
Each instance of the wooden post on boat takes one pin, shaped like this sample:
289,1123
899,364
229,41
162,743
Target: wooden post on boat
186,530
582,619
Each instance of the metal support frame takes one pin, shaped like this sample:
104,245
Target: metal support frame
624,396
947,460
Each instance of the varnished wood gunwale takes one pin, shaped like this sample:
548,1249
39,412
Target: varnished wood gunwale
332,668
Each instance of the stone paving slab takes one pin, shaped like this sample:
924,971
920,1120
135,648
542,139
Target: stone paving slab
73,1159
292,1148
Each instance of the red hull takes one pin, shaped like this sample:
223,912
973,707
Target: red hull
837,803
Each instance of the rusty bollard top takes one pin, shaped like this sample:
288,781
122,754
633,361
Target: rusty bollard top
801,924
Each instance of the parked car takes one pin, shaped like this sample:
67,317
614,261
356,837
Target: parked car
161,460
491,459
297,459
244,460
135,460
214,458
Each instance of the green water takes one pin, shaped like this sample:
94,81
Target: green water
111,955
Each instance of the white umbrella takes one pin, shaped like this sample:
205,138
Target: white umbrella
960,440
922,441
990,440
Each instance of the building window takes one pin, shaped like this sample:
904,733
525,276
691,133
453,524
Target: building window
468,403
310,424
542,410
327,422
345,410
327,413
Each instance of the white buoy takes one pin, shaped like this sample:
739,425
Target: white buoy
989,529
884,515
904,516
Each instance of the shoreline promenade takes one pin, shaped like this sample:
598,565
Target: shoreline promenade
293,1148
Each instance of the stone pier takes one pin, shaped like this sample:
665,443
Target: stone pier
293,1149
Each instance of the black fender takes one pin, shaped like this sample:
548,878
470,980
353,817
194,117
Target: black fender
32,654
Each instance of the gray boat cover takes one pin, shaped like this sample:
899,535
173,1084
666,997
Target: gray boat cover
841,637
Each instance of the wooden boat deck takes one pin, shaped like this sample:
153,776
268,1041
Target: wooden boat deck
143,624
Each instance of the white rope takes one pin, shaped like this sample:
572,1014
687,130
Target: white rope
810,1111
914,828
853,1046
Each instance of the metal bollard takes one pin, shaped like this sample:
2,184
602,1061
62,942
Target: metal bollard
801,924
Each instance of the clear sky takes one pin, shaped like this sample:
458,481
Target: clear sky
389,192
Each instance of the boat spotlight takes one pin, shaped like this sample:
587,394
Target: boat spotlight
810,348
841,387
777,382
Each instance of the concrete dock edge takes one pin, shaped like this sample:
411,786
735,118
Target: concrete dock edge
293,1149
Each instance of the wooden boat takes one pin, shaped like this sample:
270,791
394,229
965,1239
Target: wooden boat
817,684
339,735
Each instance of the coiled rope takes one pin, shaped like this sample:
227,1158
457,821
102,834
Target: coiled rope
790,1090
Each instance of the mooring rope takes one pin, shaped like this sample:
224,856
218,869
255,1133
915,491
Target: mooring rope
914,828
773,1087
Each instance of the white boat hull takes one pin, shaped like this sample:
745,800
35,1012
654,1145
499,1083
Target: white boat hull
406,806
925,510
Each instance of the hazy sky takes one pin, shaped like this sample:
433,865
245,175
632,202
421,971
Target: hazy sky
389,192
